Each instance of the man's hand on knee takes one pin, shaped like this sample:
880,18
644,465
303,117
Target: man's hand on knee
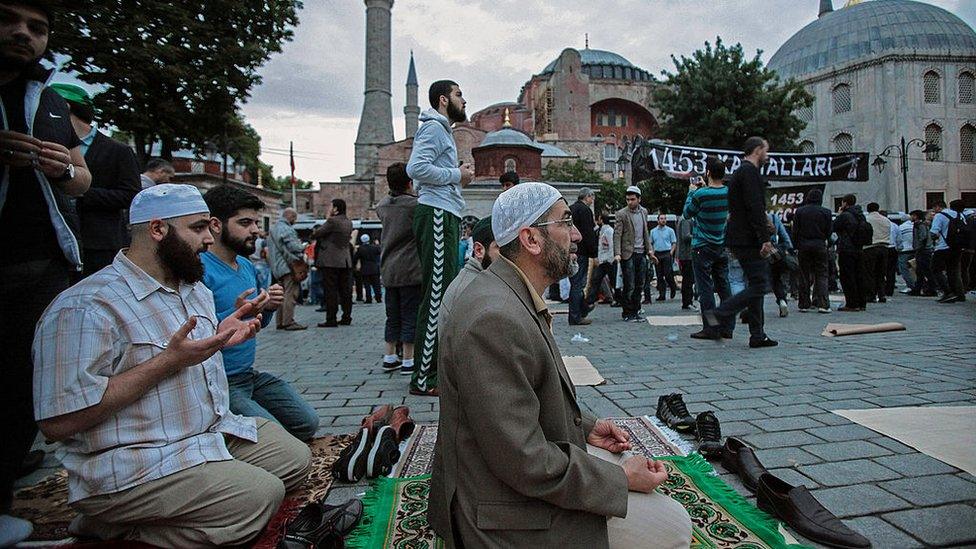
644,475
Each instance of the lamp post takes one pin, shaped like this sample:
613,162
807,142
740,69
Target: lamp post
902,151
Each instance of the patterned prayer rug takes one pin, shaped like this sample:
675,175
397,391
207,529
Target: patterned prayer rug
46,503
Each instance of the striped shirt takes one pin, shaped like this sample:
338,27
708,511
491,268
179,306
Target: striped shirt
709,207
111,322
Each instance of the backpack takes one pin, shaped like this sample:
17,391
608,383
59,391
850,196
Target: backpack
863,232
957,232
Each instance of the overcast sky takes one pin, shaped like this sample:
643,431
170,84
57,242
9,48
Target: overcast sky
312,92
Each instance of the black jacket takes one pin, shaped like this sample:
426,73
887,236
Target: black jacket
811,223
115,181
844,226
583,220
747,209
368,256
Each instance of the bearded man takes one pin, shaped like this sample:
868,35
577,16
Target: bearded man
231,276
128,377
517,462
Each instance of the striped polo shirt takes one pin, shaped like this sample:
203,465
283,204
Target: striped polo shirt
710,208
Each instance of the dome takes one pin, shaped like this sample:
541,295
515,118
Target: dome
606,60
552,151
871,29
509,138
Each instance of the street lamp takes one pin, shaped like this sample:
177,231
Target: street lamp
902,151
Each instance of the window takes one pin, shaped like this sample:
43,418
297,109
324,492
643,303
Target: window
842,98
933,136
807,147
549,106
843,143
967,148
932,197
805,114
510,165
931,83
966,88
968,198
610,155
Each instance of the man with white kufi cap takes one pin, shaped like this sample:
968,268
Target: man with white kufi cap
517,463
127,375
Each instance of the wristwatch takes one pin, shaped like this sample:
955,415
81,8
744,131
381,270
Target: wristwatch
69,173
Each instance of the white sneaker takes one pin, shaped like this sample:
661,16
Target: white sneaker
14,530
824,310
783,309
905,291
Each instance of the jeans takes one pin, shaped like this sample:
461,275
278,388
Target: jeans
316,292
779,277
711,266
849,263
904,271
402,305
602,270
756,271
945,270
665,273
577,283
687,267
737,279
260,394
634,271
813,269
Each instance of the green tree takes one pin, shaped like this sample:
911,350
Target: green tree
283,183
572,172
172,72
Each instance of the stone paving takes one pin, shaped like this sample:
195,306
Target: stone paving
779,400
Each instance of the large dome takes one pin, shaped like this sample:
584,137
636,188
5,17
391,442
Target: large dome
605,64
509,137
871,29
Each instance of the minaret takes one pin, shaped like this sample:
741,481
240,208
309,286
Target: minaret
826,6
376,122
411,111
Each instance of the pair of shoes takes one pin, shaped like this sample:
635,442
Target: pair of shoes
582,322
673,292
824,310
615,305
709,435
783,309
950,298
846,309
319,525
803,309
712,334
327,324
433,392
797,507
375,450
294,327
673,412
369,301
882,300
391,366
345,322
638,318
764,342
739,458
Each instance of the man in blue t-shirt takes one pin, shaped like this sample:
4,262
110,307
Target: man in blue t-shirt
665,242
231,277
945,260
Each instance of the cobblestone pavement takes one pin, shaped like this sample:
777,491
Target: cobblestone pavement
779,399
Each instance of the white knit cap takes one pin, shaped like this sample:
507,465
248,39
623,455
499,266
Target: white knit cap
633,189
520,207
165,201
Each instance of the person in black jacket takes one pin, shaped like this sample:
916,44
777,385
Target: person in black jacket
368,256
850,254
585,250
811,231
747,236
115,181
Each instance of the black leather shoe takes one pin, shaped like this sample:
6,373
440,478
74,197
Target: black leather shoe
321,526
706,334
709,435
739,458
672,411
795,506
764,342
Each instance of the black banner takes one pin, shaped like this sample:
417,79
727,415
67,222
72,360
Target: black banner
650,157
784,200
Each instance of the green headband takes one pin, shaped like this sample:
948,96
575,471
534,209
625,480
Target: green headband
73,93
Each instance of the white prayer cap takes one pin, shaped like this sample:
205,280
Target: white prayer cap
364,239
633,189
520,207
165,201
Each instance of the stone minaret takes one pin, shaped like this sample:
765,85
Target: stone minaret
411,111
825,8
376,122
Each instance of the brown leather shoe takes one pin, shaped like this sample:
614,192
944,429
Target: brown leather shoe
401,422
795,506
379,416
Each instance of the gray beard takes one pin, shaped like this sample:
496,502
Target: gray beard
573,267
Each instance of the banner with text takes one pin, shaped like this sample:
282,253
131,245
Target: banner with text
675,160
784,200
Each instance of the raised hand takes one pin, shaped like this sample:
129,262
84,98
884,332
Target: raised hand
239,328
182,352
276,296
260,301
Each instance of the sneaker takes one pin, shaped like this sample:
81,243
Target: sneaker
905,291
803,309
384,452
764,342
783,309
823,310
709,435
672,411
638,318
351,465
429,392
391,366
407,370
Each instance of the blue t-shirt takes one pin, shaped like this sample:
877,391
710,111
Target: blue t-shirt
663,238
226,284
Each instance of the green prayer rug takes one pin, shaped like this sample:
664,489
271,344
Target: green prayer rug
395,512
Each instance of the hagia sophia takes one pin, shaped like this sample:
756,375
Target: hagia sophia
879,70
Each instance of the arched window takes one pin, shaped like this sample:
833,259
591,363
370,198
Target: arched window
842,98
933,136
807,147
805,114
967,143
510,165
967,83
843,143
931,84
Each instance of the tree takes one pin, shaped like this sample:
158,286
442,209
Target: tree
717,99
573,172
283,183
173,72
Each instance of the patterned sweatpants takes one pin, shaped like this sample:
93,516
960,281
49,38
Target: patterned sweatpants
437,233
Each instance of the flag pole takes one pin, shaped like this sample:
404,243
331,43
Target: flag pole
291,157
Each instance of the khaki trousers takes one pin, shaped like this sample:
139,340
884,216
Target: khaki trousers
214,503
653,520
286,313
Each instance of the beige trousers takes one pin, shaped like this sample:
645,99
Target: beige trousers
286,312
653,520
215,503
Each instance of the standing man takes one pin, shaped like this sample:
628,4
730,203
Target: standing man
399,268
333,259
368,257
852,231
586,249
946,259
876,255
517,462
286,254
227,271
605,266
508,180
157,171
747,236
922,242
631,246
685,266
665,242
811,231
708,207
904,247
115,180
438,178
41,168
